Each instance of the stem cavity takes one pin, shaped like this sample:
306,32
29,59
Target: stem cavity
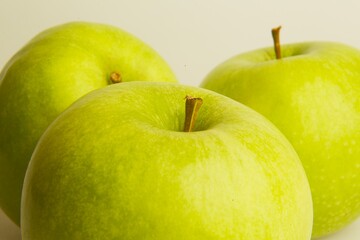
192,106
276,37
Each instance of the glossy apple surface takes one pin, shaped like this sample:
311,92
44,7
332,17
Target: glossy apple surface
117,165
312,95
54,69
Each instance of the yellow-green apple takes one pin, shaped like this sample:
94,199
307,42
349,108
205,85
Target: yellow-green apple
53,70
312,94
118,164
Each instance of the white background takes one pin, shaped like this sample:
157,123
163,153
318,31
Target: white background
192,35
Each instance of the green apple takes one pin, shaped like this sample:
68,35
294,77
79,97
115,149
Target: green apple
54,69
312,94
118,164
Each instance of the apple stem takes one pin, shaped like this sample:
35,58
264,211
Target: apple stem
276,37
192,106
115,77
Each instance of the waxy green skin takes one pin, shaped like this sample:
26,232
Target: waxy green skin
312,95
53,70
117,165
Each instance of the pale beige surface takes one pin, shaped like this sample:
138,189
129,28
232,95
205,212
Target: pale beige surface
8,230
192,35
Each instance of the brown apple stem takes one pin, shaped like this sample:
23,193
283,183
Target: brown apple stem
192,106
276,37
115,77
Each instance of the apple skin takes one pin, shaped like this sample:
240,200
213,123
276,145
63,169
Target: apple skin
54,69
116,165
312,95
